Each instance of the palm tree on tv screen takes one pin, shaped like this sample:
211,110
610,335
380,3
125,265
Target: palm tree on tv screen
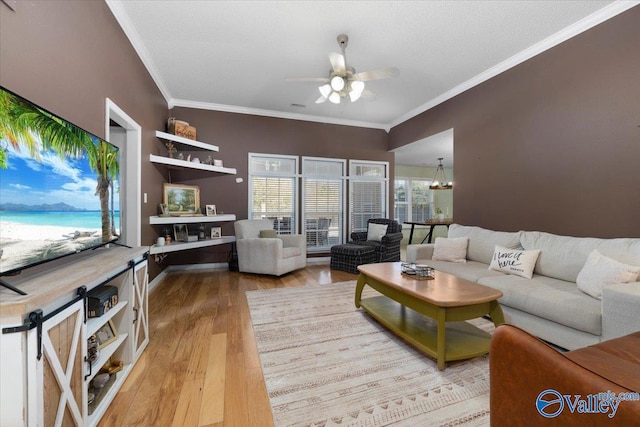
19,120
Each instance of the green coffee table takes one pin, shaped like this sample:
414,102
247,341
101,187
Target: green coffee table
430,314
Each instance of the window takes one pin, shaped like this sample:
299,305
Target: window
413,201
368,192
273,190
323,202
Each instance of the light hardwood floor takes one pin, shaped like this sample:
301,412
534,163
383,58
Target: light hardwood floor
201,367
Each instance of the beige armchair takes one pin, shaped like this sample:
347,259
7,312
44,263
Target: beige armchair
268,255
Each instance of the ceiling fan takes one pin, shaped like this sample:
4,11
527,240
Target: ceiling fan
343,80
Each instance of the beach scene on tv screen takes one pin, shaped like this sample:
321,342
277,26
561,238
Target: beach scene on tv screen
59,189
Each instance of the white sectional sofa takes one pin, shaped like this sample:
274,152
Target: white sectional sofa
549,305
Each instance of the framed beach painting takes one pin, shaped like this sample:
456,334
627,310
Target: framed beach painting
181,199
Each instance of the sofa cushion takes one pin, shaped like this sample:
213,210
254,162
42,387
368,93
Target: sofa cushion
514,261
452,250
552,299
600,271
561,257
482,242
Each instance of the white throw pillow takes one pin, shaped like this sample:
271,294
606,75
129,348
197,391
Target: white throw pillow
452,250
600,271
376,231
514,261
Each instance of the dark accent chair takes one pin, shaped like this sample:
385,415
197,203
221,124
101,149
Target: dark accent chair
386,250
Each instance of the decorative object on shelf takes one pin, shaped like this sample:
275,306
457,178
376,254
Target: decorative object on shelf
443,183
181,199
181,232
112,366
100,380
181,128
211,210
167,235
209,160
180,156
101,299
171,149
106,334
163,209
439,214
195,160
160,241
201,232
216,232
217,162
93,352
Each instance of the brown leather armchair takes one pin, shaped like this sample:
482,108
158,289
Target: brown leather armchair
523,367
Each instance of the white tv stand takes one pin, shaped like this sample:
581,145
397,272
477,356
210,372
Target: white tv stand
44,363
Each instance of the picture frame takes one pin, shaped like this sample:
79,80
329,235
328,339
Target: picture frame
210,210
216,232
106,334
181,199
181,232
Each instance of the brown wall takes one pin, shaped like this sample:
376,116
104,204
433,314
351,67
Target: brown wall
68,57
552,144
239,134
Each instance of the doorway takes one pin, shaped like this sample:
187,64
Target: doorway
122,131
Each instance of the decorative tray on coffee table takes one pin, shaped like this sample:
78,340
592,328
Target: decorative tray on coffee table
417,271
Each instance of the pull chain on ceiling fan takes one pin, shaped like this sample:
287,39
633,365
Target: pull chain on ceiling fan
343,81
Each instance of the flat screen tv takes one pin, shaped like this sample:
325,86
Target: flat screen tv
59,187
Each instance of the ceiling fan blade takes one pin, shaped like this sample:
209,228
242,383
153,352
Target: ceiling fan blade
307,79
321,100
367,95
338,63
382,73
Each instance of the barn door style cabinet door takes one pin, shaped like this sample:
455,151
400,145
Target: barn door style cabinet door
65,365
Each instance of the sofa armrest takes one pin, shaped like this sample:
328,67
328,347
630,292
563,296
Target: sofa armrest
522,367
419,251
294,240
620,310
392,238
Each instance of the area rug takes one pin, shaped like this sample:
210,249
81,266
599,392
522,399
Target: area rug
326,363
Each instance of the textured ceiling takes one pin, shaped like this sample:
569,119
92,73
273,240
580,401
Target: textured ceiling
236,55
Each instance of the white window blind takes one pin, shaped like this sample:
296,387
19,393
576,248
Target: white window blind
367,192
401,200
323,202
421,200
273,190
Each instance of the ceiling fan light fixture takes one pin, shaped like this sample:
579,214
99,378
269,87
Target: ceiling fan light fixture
334,98
325,90
337,83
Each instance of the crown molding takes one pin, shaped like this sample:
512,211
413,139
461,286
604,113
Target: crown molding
272,113
573,30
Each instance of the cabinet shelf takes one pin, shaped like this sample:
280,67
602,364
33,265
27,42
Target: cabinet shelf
182,246
105,353
183,164
167,220
95,323
186,141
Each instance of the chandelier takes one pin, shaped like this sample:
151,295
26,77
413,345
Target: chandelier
440,181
